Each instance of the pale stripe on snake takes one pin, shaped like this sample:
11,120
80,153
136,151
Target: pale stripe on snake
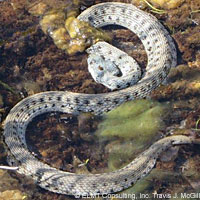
161,57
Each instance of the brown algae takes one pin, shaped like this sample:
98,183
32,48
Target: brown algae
69,33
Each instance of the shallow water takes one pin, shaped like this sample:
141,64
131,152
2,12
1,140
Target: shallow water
30,63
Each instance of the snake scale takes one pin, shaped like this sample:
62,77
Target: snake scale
161,54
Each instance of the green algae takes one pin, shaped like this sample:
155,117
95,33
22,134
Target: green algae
138,119
120,154
133,126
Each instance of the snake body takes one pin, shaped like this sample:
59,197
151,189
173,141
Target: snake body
161,57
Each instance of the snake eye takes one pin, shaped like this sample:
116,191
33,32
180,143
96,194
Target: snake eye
118,86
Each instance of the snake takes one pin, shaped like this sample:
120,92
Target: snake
161,53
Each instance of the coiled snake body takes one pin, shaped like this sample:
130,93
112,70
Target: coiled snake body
161,57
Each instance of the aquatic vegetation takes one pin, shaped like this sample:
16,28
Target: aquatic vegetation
136,124
154,4
155,10
52,20
83,35
69,33
184,83
120,153
136,119
197,124
7,87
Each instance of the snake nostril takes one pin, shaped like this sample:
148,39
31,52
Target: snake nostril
119,74
128,84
